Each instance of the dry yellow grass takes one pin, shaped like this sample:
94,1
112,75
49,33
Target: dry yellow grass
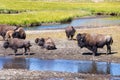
114,31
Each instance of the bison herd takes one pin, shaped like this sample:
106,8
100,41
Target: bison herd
14,38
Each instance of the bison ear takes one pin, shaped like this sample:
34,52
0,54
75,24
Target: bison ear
36,40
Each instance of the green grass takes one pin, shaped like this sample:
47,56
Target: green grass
37,18
36,12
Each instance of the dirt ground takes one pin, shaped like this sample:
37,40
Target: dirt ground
66,49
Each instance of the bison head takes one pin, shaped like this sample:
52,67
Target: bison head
16,35
81,40
6,44
19,35
36,40
41,42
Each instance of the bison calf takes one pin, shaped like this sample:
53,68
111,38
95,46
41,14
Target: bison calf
17,43
45,43
94,41
9,34
70,32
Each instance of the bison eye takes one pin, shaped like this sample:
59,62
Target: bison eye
82,40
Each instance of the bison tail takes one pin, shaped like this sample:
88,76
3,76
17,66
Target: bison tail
111,41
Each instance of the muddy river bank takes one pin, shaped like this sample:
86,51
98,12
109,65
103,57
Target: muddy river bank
67,50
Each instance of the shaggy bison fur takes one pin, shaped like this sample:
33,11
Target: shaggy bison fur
45,43
19,33
94,41
70,32
9,34
5,28
16,43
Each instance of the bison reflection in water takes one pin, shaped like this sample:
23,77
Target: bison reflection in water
70,32
16,43
94,41
47,43
16,63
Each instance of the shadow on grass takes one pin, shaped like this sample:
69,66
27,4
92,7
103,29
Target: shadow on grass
98,54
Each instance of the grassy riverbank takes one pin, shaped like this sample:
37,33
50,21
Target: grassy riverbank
36,12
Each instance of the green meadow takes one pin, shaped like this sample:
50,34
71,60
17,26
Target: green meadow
36,12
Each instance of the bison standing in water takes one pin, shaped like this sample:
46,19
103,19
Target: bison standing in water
94,41
70,32
16,43
45,43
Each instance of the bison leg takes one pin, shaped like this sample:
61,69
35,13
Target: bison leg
94,50
28,50
108,49
25,50
15,51
71,37
68,35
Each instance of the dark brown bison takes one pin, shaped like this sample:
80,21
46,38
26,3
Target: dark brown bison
45,43
70,32
5,28
19,33
94,41
16,43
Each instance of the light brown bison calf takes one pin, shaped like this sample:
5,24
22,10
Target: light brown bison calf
70,32
16,43
45,43
94,41
9,34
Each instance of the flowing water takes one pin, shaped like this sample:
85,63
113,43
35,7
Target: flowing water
60,65
81,23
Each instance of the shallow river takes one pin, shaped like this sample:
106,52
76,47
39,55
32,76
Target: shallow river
81,23
61,65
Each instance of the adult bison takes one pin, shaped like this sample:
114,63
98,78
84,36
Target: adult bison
94,41
16,43
5,28
19,33
45,43
70,32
